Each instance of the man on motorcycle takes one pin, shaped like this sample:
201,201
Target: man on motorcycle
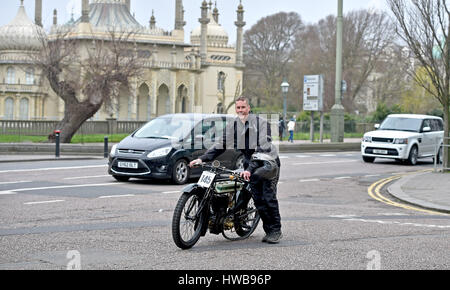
252,136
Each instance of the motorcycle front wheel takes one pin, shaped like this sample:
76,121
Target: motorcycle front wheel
186,227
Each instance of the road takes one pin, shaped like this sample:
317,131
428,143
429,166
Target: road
56,215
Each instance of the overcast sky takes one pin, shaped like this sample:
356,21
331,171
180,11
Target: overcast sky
310,11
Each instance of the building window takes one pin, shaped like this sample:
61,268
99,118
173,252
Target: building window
11,76
23,109
221,81
29,76
9,109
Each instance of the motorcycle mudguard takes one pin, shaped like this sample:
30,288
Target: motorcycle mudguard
199,191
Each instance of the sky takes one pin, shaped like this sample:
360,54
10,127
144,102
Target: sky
311,11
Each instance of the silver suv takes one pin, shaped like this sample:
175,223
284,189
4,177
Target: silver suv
406,138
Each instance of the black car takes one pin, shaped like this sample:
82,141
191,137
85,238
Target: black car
163,148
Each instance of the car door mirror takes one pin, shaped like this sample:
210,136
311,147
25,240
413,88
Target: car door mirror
377,126
426,129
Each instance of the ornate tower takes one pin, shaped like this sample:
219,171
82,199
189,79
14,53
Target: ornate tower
179,15
239,39
38,13
85,11
204,30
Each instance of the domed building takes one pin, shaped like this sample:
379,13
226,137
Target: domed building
202,76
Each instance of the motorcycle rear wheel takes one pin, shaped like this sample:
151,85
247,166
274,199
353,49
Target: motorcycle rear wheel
186,228
244,221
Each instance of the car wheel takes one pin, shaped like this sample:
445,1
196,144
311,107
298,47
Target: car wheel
121,178
239,162
368,159
181,172
413,155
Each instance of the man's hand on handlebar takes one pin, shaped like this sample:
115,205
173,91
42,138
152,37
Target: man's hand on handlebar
246,175
195,163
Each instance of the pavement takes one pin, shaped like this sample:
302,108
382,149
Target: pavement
430,190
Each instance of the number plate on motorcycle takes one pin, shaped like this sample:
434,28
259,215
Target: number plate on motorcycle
206,179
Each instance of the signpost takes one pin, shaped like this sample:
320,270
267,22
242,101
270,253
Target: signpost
313,100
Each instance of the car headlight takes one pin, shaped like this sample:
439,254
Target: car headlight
159,152
401,141
113,150
367,139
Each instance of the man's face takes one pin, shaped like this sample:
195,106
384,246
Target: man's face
242,110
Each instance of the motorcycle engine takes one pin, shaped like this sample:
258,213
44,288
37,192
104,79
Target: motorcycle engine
219,206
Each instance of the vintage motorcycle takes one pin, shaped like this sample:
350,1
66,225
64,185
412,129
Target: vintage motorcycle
220,202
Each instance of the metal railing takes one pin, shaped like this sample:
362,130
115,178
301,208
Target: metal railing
439,153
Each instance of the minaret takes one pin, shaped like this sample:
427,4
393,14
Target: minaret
204,32
85,11
38,13
216,13
179,15
153,20
239,39
55,17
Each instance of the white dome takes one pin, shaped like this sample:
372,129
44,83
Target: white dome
21,33
216,34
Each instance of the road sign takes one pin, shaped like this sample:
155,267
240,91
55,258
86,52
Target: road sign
313,93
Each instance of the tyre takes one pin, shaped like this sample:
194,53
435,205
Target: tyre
181,172
121,178
247,221
368,159
413,155
244,223
239,162
186,228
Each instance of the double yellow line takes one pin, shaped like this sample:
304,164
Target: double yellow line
375,192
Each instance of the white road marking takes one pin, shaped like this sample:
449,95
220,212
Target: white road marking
63,186
7,192
86,177
329,162
168,192
398,223
309,180
302,156
343,177
13,182
43,202
372,175
53,168
116,196
328,155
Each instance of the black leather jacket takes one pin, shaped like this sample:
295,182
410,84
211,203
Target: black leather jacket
252,137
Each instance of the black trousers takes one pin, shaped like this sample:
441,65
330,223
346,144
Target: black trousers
264,192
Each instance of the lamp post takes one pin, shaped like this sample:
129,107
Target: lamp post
285,90
337,111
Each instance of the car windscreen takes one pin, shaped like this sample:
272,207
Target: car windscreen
401,124
170,127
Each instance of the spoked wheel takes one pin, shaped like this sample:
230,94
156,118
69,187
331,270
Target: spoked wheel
241,225
186,227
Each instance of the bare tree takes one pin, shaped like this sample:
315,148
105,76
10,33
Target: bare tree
366,34
86,74
268,48
425,25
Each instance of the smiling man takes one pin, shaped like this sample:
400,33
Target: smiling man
251,135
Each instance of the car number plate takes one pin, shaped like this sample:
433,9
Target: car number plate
132,165
206,179
377,151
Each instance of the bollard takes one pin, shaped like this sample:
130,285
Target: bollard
57,143
106,151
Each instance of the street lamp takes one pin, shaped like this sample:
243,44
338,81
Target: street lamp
285,90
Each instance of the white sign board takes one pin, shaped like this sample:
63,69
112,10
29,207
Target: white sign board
313,93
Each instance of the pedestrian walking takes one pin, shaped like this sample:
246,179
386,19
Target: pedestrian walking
291,128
